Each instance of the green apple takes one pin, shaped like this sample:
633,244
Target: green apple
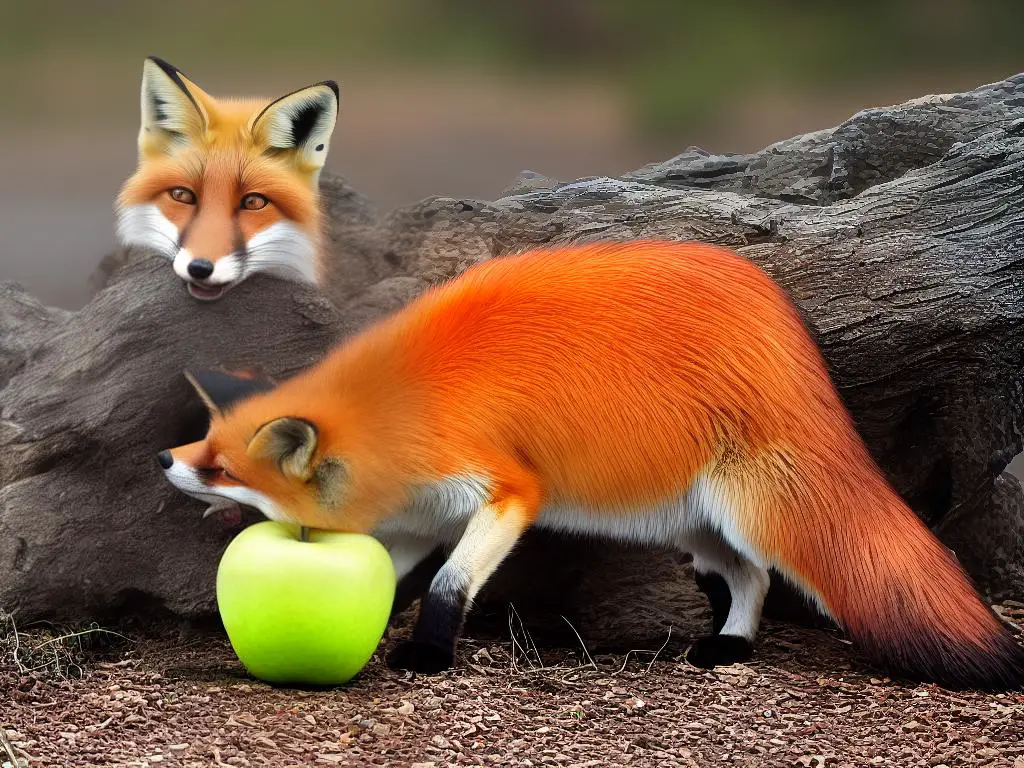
304,611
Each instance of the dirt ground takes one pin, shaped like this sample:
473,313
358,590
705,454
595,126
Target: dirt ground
166,694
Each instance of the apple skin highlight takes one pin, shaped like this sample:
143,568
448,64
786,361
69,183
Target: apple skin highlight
304,612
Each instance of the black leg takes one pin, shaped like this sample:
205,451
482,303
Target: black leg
719,596
432,647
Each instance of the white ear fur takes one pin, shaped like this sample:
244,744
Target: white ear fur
172,118
301,122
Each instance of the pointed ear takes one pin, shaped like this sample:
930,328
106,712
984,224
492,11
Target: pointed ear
288,442
219,390
300,123
173,115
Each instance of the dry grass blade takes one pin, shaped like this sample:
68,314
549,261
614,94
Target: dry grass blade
586,653
657,653
517,647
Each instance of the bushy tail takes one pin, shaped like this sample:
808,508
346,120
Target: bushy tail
897,591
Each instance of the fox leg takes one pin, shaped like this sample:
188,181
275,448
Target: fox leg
489,536
716,589
736,587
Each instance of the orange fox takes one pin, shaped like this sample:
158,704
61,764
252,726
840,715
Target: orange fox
651,392
228,188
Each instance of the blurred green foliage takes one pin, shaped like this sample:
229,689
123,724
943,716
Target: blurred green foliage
675,60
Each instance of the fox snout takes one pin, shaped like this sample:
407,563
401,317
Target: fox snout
200,269
205,278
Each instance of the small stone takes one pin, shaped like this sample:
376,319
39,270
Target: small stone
440,741
406,708
428,764
381,729
913,725
309,719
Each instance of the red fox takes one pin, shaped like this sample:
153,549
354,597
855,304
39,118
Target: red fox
651,392
228,188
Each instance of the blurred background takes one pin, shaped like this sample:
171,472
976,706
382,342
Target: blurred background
455,97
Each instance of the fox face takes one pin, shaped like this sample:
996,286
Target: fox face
279,465
227,188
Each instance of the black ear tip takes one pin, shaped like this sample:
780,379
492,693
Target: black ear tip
334,87
171,71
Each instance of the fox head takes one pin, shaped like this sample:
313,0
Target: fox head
285,466
227,188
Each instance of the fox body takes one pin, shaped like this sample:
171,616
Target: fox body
228,188
649,392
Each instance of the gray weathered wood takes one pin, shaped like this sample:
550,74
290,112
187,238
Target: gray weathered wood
899,233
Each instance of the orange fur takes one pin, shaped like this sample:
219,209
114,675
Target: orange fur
610,378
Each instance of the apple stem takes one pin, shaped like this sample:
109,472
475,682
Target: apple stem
303,533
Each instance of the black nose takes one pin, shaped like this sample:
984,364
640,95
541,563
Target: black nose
165,459
200,269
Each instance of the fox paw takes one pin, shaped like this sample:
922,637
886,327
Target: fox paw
719,650
424,658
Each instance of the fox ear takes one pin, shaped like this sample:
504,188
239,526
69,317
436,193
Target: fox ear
300,123
219,390
288,442
173,115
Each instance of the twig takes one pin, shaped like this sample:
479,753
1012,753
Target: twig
625,660
75,635
658,652
8,747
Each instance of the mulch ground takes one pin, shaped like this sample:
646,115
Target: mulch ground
174,697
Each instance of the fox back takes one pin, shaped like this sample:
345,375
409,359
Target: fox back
228,188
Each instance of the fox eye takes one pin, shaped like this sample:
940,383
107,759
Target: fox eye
182,195
254,201
229,476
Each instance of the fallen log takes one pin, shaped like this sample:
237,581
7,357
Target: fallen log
900,235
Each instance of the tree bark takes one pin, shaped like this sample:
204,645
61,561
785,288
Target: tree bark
899,234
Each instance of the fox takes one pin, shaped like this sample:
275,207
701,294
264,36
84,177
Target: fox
227,188
651,392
